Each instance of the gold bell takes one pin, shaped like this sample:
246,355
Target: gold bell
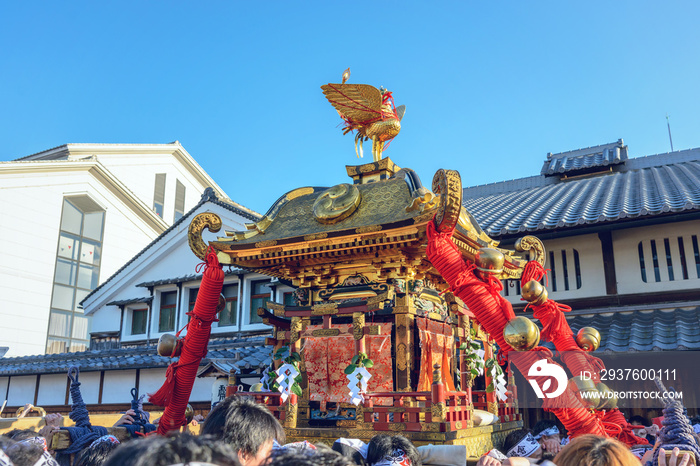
167,345
189,413
489,261
221,305
591,399
533,292
608,400
521,333
588,339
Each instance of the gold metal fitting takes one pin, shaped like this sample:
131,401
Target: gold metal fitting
588,339
189,413
580,385
221,304
167,344
608,400
489,260
521,333
533,292
256,387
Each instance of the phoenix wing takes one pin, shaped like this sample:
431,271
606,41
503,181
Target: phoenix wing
356,102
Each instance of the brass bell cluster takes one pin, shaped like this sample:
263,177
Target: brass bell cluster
521,333
534,292
598,395
588,339
170,346
488,261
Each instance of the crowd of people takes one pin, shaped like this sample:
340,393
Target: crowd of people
241,432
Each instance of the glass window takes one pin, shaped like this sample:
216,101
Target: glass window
56,345
76,346
228,316
288,299
65,272
193,299
80,327
63,297
139,319
179,200
92,227
76,272
159,194
259,294
68,246
87,277
90,252
71,218
59,324
168,304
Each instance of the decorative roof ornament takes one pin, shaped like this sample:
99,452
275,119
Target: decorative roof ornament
368,110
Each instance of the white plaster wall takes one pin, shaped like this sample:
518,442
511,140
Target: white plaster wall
89,387
117,386
28,247
22,390
150,380
591,263
627,268
138,172
201,391
52,389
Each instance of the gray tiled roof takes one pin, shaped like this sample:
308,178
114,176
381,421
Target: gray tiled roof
582,159
245,352
642,187
124,302
184,278
653,330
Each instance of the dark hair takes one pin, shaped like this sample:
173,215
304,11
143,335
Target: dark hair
638,420
243,424
95,455
382,445
21,454
323,456
543,425
514,438
178,448
20,434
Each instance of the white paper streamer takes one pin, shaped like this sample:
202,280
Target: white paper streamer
499,383
358,386
285,378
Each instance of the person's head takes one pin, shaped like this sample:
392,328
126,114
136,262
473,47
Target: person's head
174,449
98,452
25,452
593,450
322,456
391,449
20,434
248,427
639,421
546,430
522,443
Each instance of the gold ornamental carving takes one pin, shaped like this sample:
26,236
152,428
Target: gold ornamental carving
448,185
337,203
326,332
358,325
315,236
367,110
368,229
401,360
324,308
438,411
397,427
207,220
265,244
299,192
295,329
492,407
533,246
291,416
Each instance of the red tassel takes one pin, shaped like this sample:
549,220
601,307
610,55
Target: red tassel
164,393
176,391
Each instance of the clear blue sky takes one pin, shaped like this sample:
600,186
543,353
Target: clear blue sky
490,87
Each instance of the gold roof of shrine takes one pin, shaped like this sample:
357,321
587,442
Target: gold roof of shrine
378,222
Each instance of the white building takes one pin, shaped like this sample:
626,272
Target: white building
149,295
72,216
